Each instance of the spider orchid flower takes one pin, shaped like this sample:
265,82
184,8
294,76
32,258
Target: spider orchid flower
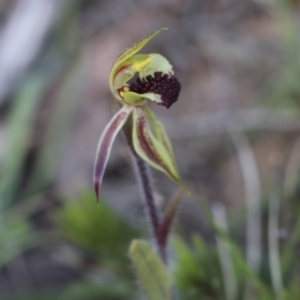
156,82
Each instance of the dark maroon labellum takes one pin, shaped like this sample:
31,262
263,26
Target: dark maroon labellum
166,85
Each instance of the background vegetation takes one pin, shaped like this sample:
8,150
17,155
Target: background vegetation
235,131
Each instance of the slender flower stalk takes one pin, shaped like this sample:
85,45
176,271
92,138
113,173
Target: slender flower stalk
144,176
146,187
145,135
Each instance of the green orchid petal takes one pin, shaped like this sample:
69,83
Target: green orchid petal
133,98
150,149
136,99
105,143
160,132
131,66
158,63
129,52
153,97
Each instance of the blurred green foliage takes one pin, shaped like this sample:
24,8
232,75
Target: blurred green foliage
197,270
16,236
97,229
284,85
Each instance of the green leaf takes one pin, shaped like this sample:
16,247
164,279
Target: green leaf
152,273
